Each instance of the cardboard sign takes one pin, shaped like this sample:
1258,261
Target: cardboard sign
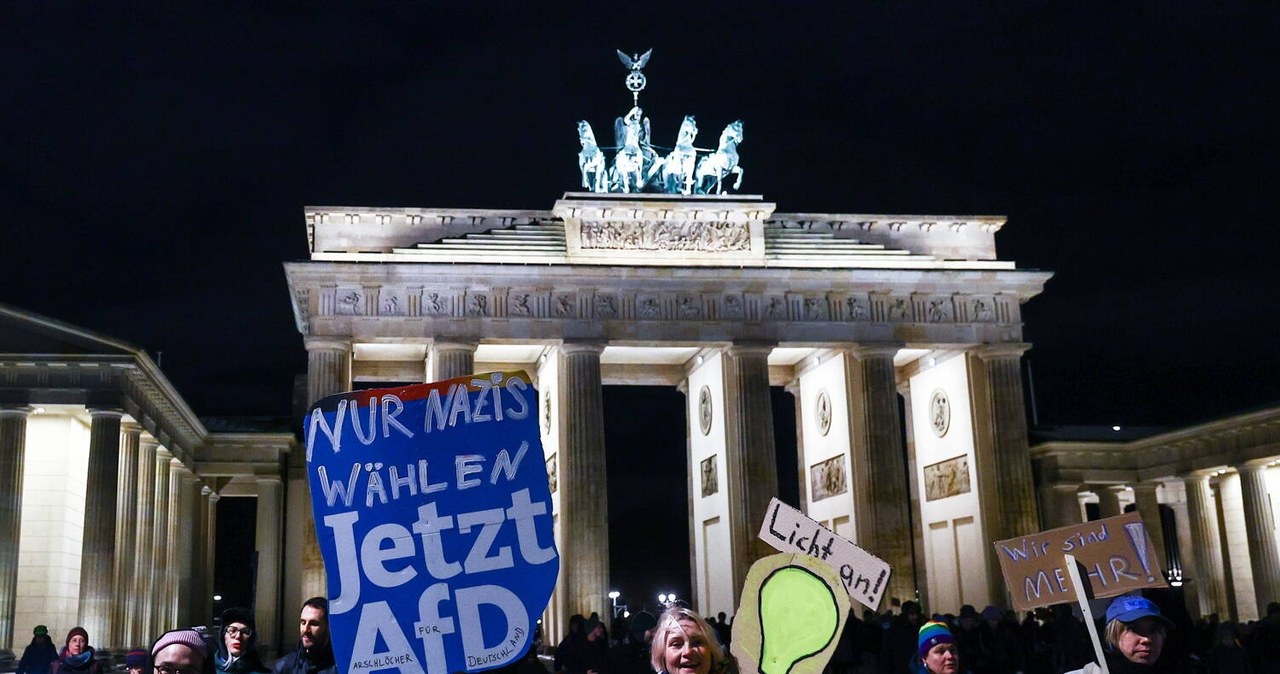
434,520
1116,553
792,613
863,575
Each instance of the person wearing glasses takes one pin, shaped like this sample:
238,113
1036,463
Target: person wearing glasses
179,652
238,644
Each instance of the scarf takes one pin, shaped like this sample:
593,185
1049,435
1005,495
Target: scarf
77,661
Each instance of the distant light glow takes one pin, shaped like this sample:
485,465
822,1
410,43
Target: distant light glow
217,597
1115,428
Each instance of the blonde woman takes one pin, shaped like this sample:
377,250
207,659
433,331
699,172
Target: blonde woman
683,643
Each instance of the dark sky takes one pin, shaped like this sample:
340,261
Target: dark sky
155,159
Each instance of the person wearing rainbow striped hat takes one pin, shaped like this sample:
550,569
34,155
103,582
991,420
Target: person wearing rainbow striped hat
937,650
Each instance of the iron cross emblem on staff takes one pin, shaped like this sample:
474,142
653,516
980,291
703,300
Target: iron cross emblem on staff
635,78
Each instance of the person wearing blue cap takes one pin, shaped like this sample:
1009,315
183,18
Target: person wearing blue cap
1134,637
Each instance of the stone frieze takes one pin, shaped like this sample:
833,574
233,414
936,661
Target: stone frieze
608,304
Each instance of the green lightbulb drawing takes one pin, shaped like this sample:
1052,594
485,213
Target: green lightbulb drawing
799,617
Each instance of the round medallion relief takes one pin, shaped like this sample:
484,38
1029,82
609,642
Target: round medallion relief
704,410
940,412
822,407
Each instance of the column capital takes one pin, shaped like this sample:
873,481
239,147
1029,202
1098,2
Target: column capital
1001,351
574,346
454,344
327,343
863,351
11,410
131,427
104,411
1255,466
214,496
163,454
267,479
738,349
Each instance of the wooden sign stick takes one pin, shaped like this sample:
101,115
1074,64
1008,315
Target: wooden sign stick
1074,572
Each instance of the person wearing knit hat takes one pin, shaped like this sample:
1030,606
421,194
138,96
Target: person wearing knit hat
180,652
937,649
40,653
136,661
76,656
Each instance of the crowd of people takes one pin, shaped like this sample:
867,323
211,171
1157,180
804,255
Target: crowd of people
233,649
1136,634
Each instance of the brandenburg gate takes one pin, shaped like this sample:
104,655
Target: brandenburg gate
866,319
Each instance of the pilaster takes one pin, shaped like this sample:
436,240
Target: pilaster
584,497
98,547
13,447
449,359
124,603
881,502
1260,526
267,542
750,456
1206,561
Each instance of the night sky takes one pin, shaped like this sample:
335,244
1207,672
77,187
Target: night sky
155,161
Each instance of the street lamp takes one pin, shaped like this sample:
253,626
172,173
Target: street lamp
613,599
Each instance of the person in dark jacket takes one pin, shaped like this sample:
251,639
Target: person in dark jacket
237,651
77,655
315,651
40,653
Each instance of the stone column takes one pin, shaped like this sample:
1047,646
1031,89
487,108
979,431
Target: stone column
124,602
802,470
1146,499
187,549
1260,526
210,551
267,601
1109,500
1002,364
174,543
98,547
1060,504
879,460
449,359
750,457
156,614
1206,563
328,372
584,497
144,557
328,367
13,447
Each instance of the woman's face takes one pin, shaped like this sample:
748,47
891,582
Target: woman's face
942,659
1142,641
686,650
236,636
76,644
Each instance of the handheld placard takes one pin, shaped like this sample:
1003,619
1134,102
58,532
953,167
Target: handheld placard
792,612
1082,598
434,519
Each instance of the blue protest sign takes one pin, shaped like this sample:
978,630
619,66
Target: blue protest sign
434,520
